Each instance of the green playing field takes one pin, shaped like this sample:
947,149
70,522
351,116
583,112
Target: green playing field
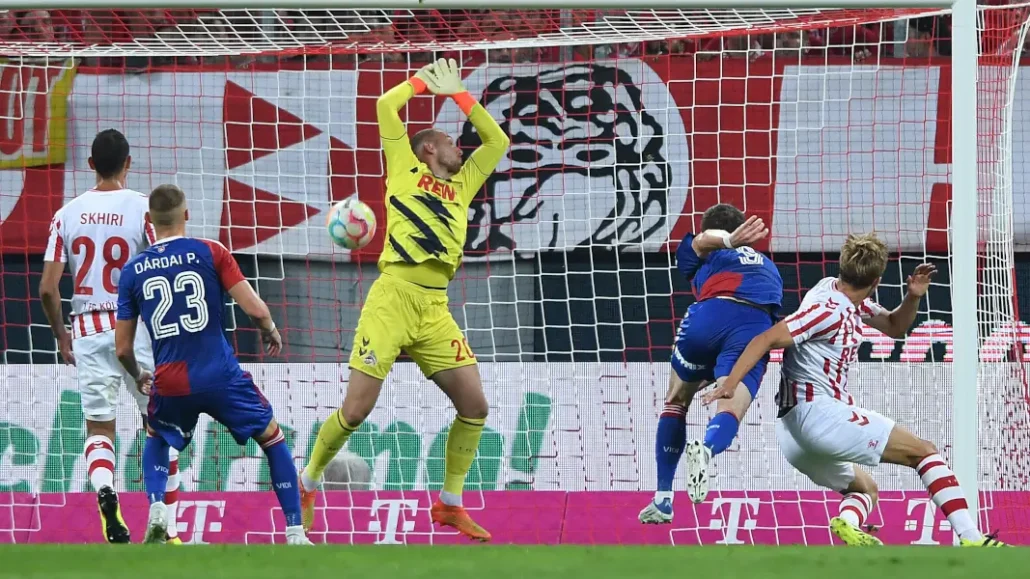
495,562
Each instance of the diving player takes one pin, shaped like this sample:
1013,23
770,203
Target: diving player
820,429
738,294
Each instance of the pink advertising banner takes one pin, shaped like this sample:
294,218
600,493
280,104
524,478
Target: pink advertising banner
519,517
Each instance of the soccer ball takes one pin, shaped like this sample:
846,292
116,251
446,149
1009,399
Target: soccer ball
351,224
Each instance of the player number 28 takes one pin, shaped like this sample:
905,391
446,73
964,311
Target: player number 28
112,262
462,351
188,283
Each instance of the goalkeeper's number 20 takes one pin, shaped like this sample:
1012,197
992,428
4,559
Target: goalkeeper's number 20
187,282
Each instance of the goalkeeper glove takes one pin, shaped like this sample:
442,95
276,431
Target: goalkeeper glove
425,74
444,78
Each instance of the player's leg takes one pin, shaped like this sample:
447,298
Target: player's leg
145,357
719,434
383,329
283,473
155,482
247,414
858,500
722,428
99,378
857,487
170,424
465,389
444,356
171,499
906,449
670,439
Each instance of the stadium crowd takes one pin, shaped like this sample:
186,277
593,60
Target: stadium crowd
923,37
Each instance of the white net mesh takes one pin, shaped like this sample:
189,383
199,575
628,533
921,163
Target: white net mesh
625,127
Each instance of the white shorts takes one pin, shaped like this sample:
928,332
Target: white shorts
825,438
100,374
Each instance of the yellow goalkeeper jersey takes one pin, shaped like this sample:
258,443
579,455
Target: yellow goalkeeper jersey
426,216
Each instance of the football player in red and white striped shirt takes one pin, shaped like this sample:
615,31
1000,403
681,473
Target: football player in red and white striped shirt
821,431
96,234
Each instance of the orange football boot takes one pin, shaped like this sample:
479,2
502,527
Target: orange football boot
458,518
307,506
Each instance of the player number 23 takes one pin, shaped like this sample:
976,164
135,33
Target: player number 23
188,283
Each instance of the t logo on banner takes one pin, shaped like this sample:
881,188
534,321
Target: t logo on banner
739,516
200,522
393,517
925,526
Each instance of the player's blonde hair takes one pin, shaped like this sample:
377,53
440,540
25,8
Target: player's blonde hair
167,205
863,258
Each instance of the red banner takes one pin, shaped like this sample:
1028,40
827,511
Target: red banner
608,153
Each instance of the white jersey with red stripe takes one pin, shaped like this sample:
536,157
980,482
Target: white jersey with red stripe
97,233
827,331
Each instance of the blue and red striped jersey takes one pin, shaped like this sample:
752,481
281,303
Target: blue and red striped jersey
178,287
740,273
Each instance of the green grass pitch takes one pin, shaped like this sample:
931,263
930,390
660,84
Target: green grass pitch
497,562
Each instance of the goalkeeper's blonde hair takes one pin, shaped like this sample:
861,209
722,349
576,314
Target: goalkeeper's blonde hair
863,258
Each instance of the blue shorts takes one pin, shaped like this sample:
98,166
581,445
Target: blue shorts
713,335
241,408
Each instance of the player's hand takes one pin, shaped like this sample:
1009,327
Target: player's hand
445,77
64,345
720,392
919,281
273,342
752,231
144,382
425,74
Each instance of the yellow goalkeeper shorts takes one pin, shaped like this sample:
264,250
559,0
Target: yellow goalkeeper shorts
399,315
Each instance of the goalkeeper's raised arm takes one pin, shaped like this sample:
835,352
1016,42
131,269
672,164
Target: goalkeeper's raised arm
429,187
434,147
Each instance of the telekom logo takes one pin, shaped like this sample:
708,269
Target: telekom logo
926,524
400,518
740,513
207,517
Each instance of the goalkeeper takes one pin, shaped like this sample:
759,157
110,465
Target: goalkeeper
428,192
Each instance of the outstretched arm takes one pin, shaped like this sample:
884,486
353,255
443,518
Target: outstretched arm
444,78
392,132
481,164
813,321
775,337
233,281
897,322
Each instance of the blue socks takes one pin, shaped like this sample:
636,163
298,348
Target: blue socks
284,476
721,431
668,446
155,468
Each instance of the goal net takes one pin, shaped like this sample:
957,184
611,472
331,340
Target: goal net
625,126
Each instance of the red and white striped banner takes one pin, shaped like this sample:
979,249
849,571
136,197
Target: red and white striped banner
604,153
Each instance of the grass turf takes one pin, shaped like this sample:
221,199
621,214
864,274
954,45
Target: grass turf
496,562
